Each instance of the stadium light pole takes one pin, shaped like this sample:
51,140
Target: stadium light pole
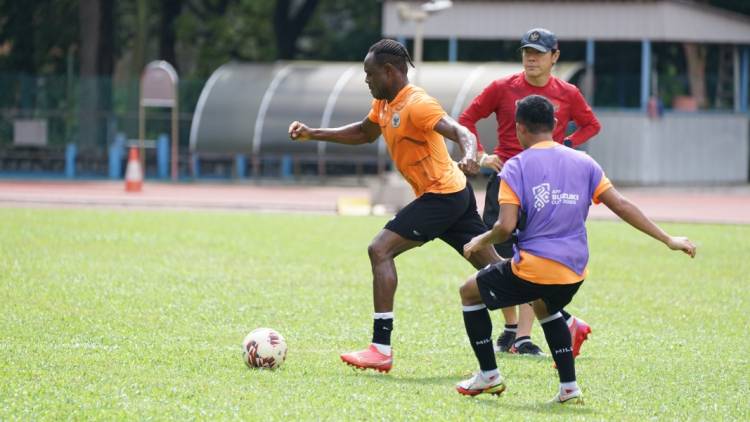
418,15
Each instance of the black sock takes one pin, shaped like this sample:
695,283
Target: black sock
511,327
479,329
565,315
381,331
558,338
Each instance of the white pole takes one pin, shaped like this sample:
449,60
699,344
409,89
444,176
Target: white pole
418,46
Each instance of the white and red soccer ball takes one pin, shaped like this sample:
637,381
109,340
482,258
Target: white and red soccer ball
264,348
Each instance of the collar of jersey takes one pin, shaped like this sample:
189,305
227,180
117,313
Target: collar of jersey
549,81
543,145
401,94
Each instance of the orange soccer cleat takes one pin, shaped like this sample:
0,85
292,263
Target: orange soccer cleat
369,358
579,332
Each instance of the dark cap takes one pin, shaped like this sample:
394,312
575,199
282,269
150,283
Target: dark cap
539,39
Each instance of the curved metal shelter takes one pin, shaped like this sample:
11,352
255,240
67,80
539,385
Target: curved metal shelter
247,108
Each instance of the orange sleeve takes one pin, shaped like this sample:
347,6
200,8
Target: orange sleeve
374,114
506,195
603,186
426,113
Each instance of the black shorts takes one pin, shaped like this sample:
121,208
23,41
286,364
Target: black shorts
492,212
452,217
500,288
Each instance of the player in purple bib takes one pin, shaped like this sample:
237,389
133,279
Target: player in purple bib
555,199
545,194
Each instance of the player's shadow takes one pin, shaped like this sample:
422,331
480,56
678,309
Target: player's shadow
400,379
540,408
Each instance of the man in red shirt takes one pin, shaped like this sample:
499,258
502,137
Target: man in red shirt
539,53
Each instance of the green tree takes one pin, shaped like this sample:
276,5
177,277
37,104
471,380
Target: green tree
97,25
289,20
36,39
212,33
341,30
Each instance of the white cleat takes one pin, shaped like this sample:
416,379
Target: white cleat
476,385
568,397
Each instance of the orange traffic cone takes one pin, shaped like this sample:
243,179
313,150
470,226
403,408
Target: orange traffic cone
133,173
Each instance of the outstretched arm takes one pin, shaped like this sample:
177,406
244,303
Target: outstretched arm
450,129
633,215
358,133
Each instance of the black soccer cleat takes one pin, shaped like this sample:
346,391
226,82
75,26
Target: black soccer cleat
505,341
529,349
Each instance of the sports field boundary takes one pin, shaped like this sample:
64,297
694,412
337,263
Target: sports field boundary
725,205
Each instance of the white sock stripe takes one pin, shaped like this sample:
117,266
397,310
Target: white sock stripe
382,315
520,342
550,318
472,308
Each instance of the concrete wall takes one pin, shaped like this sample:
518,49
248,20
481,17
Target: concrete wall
679,148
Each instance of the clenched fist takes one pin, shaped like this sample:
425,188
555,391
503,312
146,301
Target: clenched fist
299,131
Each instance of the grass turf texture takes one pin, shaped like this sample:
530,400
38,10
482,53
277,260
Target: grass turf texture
114,314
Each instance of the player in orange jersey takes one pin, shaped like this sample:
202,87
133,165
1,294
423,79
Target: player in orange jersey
413,125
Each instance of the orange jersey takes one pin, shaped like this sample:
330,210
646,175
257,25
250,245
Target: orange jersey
419,153
542,270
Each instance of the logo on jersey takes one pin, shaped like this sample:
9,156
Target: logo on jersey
534,37
395,120
560,197
541,195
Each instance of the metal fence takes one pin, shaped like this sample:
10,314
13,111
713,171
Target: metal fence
58,108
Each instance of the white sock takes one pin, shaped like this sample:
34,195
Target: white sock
568,387
488,375
383,348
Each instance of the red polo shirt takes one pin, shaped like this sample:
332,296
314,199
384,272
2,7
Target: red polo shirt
500,97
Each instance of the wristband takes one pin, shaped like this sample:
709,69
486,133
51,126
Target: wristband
481,160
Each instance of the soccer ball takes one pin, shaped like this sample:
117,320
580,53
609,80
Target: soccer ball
264,348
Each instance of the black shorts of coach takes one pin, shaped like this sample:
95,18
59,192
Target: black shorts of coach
451,217
500,288
492,212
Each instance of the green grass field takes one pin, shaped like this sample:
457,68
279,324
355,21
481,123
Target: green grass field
140,315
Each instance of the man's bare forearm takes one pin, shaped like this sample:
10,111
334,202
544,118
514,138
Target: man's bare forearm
351,134
450,129
468,142
497,235
633,215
